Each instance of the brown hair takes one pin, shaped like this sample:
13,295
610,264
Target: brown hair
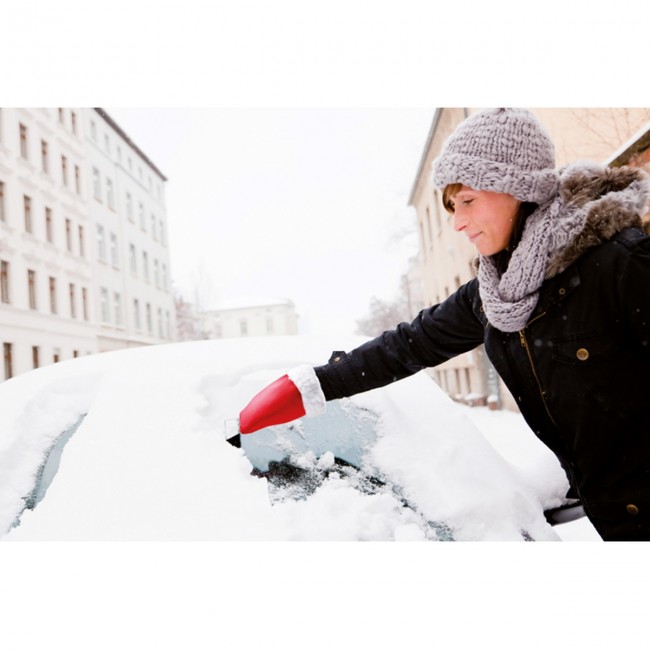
448,194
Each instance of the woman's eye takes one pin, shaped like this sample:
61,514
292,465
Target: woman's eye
467,201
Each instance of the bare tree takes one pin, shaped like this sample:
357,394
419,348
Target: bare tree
188,322
610,127
204,294
384,315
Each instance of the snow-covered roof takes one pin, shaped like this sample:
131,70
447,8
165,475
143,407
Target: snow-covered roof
249,303
638,142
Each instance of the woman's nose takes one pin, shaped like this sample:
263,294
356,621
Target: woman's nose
460,222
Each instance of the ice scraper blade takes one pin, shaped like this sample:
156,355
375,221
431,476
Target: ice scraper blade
231,428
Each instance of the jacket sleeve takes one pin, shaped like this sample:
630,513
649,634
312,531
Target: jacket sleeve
436,335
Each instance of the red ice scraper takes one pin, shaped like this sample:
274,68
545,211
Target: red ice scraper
288,398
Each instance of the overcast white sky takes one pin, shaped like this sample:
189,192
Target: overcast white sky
305,204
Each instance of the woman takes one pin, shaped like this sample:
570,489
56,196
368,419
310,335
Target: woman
561,301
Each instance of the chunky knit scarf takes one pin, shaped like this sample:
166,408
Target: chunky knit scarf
510,298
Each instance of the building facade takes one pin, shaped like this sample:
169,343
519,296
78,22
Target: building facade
65,279
46,307
250,318
446,257
133,300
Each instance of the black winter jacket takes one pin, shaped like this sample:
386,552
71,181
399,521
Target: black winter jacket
579,370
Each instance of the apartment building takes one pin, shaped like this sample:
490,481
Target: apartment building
250,318
76,198
46,303
446,257
133,301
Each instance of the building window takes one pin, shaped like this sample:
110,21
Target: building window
110,196
145,265
101,243
117,303
61,116
156,274
48,225
133,259
169,324
107,143
115,252
162,233
23,141
31,286
82,246
73,300
68,235
129,207
27,205
4,282
97,185
243,327
44,157
2,202
143,224
93,131
154,232
35,356
160,323
164,277
103,299
56,355
269,325
84,302
9,361
77,179
73,118
52,295
149,319
136,313
75,354
64,170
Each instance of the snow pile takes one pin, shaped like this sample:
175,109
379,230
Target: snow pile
149,460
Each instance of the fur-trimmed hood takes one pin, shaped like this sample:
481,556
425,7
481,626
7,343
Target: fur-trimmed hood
592,204
611,198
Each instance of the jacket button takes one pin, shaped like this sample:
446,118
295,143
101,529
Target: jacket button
337,359
562,291
582,354
632,509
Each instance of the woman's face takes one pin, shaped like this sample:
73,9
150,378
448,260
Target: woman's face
487,218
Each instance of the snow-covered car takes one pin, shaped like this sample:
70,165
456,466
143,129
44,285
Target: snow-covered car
131,445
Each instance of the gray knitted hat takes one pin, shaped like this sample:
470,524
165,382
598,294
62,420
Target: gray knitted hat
500,150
